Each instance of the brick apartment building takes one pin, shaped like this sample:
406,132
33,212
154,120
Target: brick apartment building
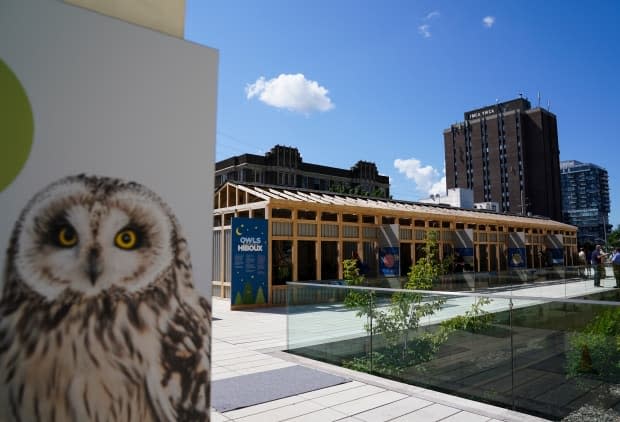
507,153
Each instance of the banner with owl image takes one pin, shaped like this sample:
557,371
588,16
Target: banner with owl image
517,257
464,247
249,284
389,250
389,261
105,291
555,249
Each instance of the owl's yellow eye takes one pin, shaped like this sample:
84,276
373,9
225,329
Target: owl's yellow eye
67,237
127,239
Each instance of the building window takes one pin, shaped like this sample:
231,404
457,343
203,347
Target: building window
350,218
368,219
306,215
329,216
281,213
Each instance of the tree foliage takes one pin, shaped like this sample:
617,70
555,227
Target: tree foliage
358,190
613,238
398,319
595,352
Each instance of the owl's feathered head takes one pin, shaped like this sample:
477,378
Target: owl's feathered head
88,234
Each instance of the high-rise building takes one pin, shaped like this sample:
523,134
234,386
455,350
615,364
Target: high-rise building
585,200
507,153
284,166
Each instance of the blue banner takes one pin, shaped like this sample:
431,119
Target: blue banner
465,251
389,261
249,261
557,256
517,258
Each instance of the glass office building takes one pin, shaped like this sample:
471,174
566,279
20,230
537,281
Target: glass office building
585,200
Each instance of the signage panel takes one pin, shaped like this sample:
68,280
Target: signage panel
517,256
249,262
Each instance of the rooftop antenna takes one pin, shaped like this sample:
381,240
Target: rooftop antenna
538,95
548,105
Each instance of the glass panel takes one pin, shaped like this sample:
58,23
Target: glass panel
566,356
320,326
541,356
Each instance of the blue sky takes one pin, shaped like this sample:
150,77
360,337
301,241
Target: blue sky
357,80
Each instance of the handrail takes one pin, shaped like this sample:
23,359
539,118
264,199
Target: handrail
458,294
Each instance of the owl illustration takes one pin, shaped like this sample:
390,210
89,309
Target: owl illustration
99,318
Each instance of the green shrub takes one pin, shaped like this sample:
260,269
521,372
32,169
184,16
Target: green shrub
595,352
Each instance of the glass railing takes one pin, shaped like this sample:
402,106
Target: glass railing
537,354
578,280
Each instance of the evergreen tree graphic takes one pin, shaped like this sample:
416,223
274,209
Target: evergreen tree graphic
248,294
260,296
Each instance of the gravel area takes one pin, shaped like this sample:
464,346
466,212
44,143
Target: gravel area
590,413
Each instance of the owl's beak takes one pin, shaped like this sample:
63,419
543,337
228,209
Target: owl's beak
94,266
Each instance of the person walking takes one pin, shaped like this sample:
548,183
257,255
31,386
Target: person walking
583,265
597,264
615,262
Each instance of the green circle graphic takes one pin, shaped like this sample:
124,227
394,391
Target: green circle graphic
16,126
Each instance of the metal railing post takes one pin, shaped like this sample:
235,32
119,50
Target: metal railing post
512,356
370,315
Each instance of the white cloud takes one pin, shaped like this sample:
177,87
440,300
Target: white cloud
439,187
426,178
424,30
433,14
488,21
291,92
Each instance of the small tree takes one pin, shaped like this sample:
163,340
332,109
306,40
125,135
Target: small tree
400,317
407,309
362,300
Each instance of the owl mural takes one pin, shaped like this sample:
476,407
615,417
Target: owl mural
99,318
